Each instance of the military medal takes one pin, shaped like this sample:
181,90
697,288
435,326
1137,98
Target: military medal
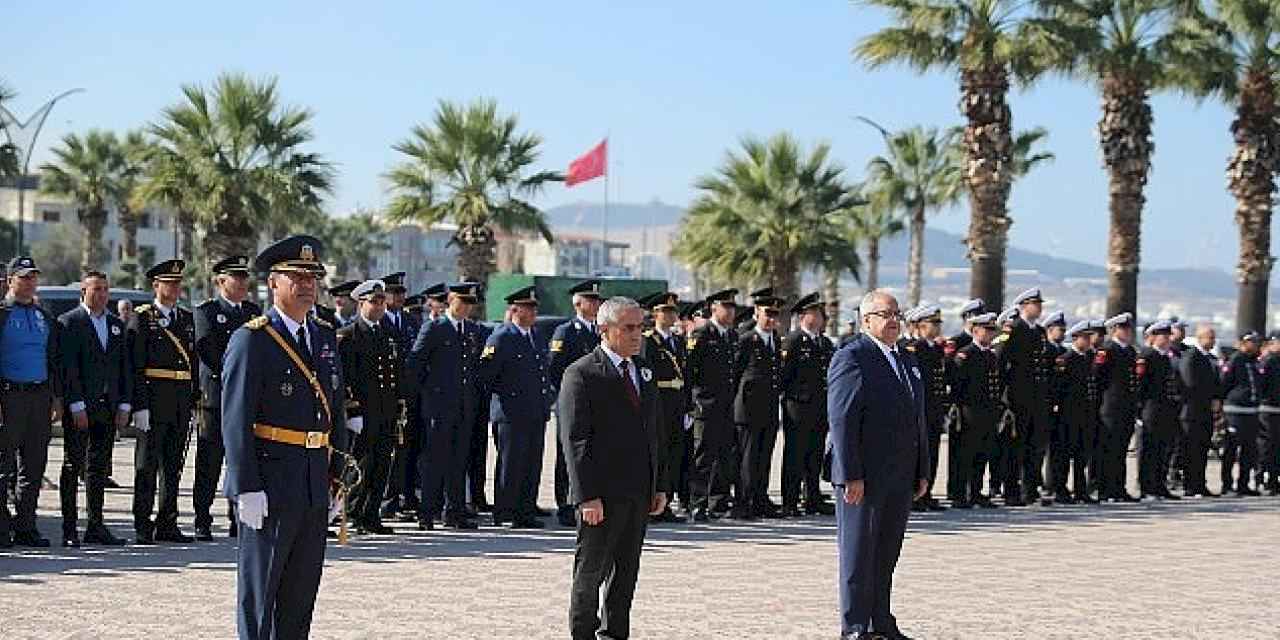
646,373
286,388
164,322
916,370
222,319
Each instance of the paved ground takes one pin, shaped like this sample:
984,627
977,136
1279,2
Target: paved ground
1193,569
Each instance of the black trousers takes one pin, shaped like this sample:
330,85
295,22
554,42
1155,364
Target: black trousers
954,487
442,466
1023,449
373,456
1159,432
1268,450
1239,446
671,438
1117,431
975,444
755,446
209,456
158,455
1197,434
803,438
85,452
24,454
935,447
1071,452
561,480
520,448
713,464
478,458
608,555
402,478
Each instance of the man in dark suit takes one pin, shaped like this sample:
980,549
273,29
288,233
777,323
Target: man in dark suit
402,487
99,388
879,462
1202,398
215,319
609,430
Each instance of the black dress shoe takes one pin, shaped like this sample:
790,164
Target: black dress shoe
527,523
233,529
741,514
99,534
461,523
1014,501
482,506
71,539
376,528
541,513
934,505
668,517
1168,495
144,537
172,535
29,539
919,506
961,503
110,483
204,533
1125,497
699,515
6,540
565,516
1086,499
1249,492
426,524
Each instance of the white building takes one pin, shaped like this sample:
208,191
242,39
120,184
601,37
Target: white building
575,255
423,253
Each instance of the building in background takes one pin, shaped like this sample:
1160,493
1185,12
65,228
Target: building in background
423,253
576,255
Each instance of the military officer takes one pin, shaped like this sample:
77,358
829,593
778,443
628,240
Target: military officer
712,377
930,352
215,320
1120,371
402,488
371,367
1269,417
664,351
414,306
1240,383
344,306
977,390
1160,395
570,341
437,300
514,367
1075,398
443,363
1027,361
950,347
282,397
806,354
481,426
968,311
755,406
165,392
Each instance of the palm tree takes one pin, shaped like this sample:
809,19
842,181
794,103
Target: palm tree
1233,53
86,170
354,242
878,222
236,155
168,182
987,42
132,150
768,213
1120,46
470,166
920,173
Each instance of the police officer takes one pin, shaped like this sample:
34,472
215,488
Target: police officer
1075,399
712,377
663,350
481,426
1269,417
215,320
165,393
443,364
344,306
806,354
977,390
282,396
375,407
755,406
1240,382
30,398
570,341
514,367
930,352
402,488
1120,372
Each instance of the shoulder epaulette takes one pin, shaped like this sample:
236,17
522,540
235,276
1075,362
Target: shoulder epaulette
206,303
648,333
322,322
146,308
257,323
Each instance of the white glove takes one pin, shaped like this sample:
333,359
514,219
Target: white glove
335,507
142,420
251,508
356,424
688,422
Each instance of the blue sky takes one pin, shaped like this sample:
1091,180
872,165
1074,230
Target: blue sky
673,83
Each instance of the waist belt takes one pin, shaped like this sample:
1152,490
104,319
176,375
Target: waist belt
308,439
167,374
9,385
671,384
1236,409
1266,408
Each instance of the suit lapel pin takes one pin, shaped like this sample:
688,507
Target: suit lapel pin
646,373
222,319
115,331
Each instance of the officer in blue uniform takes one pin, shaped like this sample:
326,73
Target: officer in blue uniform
572,340
402,489
281,404
478,455
443,365
514,368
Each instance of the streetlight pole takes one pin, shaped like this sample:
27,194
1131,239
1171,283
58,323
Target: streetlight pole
10,121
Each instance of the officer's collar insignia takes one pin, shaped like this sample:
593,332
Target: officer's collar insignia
286,388
307,253
115,331
646,373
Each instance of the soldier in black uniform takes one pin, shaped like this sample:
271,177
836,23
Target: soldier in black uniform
952,345
755,407
402,483
372,371
1161,397
1075,399
712,379
1269,417
570,341
1120,372
1240,382
1055,328
977,390
928,348
663,349
165,392
806,354
1027,362
344,307
215,320
437,300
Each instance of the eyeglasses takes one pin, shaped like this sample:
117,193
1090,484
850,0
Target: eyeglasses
885,314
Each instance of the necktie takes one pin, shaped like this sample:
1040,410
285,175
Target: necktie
632,393
303,348
898,369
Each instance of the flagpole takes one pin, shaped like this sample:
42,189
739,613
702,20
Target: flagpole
608,159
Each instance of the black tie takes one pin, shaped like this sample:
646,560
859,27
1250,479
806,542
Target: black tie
303,349
900,370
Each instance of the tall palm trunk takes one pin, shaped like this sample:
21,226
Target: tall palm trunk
476,252
873,263
987,142
915,262
1251,179
1125,134
93,220
231,234
784,277
831,297
129,226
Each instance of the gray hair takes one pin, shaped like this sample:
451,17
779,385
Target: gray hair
612,310
869,301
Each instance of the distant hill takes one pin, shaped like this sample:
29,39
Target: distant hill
590,215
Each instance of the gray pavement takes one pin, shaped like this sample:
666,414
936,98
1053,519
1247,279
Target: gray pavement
1191,569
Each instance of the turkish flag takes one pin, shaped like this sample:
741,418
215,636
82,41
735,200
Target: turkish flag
590,165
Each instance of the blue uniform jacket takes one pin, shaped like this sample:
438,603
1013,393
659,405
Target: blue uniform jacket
877,429
516,373
444,366
261,384
570,341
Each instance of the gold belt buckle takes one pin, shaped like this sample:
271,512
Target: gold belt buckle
315,439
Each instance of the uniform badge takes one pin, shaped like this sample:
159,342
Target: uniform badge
115,331
915,370
286,388
335,382
164,322
489,350
222,319
557,345
646,373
